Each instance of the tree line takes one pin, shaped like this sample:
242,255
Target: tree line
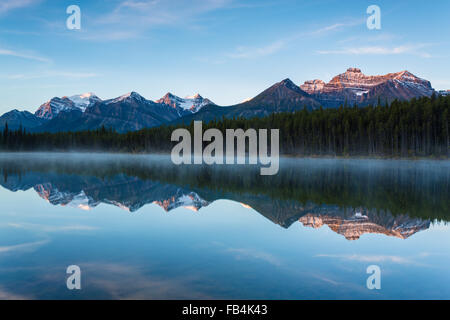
396,189
415,128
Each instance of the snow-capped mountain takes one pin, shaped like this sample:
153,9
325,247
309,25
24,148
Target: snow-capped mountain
355,87
129,112
83,101
53,195
51,108
84,196
192,104
54,106
189,200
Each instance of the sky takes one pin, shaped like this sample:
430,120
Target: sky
226,50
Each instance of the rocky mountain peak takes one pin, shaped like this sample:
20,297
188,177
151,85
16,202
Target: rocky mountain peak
352,228
288,83
353,70
354,86
130,96
83,101
313,86
168,95
191,103
133,95
54,106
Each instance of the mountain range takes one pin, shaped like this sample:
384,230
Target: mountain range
131,112
132,193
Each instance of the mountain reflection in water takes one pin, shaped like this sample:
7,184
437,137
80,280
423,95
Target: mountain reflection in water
351,197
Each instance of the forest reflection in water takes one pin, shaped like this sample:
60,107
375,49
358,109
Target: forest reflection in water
393,197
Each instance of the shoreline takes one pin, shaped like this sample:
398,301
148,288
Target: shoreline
282,156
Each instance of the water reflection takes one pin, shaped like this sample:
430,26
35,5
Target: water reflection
351,197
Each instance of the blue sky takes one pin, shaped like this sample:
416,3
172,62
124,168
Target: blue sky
227,50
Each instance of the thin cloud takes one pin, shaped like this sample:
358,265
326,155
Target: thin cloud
246,52
243,52
135,17
8,5
241,253
55,74
23,246
75,75
326,29
133,282
7,295
47,228
369,258
110,36
332,28
12,53
373,38
381,50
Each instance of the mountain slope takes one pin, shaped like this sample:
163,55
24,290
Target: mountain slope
283,96
16,118
64,121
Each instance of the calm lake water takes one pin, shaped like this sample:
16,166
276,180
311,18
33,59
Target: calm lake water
140,227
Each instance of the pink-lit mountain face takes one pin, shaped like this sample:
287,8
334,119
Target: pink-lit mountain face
352,228
54,106
354,87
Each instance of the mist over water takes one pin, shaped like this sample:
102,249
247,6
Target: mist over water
141,227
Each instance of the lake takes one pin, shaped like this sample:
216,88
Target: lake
140,227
